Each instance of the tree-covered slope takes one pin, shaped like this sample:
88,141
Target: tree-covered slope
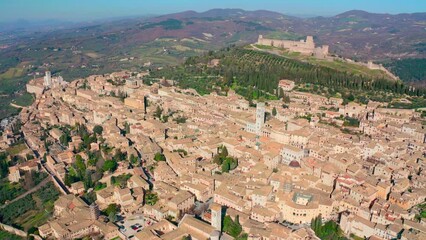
409,70
256,74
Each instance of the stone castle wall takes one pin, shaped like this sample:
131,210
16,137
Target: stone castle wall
35,86
13,230
374,66
303,46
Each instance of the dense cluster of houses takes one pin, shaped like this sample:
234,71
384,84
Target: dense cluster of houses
302,162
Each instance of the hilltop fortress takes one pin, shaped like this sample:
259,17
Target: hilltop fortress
303,46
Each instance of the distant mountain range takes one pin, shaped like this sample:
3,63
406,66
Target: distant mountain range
355,34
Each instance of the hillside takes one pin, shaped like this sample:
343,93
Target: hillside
340,64
168,40
409,70
255,74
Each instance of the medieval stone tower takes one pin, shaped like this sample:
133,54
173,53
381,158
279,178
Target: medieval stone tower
260,116
216,220
310,42
48,79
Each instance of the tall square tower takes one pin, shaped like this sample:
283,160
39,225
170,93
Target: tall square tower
216,218
260,116
48,79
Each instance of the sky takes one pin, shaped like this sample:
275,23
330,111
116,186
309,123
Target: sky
83,10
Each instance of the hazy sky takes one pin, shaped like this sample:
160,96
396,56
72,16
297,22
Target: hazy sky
76,10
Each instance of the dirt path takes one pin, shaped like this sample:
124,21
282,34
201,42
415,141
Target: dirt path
16,105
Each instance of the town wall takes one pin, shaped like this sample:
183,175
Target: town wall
13,230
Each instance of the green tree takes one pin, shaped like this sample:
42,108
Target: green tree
226,166
70,178
274,112
180,119
120,156
127,128
110,165
112,208
88,183
243,236
158,112
4,166
120,180
223,151
218,159
286,99
65,138
151,198
233,163
232,228
98,129
100,186
32,230
280,93
159,157
330,230
134,160
111,211
80,166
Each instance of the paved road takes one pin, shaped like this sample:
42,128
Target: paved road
34,189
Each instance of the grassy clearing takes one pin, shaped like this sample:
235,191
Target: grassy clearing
182,48
26,99
10,88
264,47
349,67
12,73
284,36
175,51
93,55
34,218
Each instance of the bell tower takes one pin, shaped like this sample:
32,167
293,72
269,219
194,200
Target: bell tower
216,219
260,116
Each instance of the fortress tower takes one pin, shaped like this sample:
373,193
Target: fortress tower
260,41
48,79
216,219
310,42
